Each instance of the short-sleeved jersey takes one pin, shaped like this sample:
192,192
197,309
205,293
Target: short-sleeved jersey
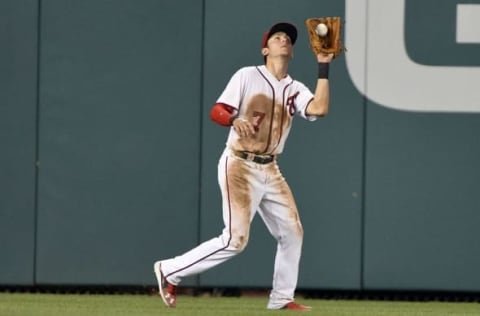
269,104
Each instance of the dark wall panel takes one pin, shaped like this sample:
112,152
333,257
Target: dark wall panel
18,99
322,160
128,155
422,176
119,142
422,201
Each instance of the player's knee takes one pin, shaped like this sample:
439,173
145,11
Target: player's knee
238,243
293,235
300,231
297,230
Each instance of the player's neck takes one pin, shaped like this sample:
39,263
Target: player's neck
277,67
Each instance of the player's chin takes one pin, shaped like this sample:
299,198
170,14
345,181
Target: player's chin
287,55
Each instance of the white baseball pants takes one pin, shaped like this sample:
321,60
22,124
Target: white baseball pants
248,188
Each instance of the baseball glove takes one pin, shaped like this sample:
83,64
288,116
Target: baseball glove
325,43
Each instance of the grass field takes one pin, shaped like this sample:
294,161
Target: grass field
22,304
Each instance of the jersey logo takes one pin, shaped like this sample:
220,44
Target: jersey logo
291,104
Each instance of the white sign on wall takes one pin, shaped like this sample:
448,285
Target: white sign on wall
380,68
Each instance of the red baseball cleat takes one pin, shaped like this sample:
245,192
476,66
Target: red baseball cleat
167,291
297,307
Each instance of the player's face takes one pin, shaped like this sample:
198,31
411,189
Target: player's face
280,44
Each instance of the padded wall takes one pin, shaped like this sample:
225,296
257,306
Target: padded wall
18,110
422,176
116,113
119,143
322,160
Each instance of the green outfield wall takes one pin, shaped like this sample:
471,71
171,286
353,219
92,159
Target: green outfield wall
108,156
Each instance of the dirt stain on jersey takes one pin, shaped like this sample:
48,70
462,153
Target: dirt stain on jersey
270,121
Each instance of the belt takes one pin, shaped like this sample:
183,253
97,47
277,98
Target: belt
261,159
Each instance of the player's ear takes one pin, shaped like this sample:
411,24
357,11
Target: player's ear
264,51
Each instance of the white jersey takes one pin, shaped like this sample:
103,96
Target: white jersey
269,104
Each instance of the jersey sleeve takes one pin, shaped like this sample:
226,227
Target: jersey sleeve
303,99
232,95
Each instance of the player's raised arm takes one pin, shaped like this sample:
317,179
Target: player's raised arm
321,100
324,34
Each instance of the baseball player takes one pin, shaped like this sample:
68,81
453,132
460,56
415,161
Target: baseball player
258,103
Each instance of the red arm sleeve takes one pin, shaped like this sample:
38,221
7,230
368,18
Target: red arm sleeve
222,114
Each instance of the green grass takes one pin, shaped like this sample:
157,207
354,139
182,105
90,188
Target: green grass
20,304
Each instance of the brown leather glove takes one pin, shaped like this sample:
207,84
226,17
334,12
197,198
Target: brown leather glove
328,43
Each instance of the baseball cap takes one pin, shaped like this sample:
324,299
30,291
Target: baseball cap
285,27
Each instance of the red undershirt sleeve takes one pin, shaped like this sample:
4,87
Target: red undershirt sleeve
222,114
